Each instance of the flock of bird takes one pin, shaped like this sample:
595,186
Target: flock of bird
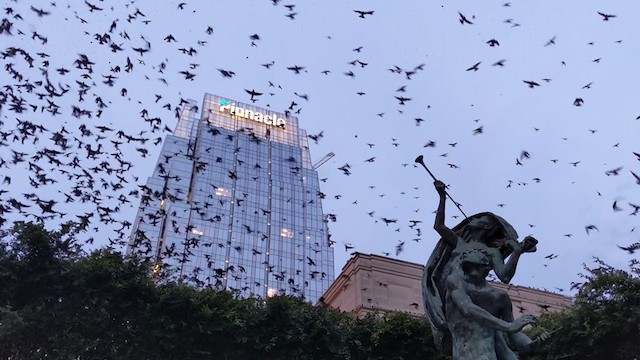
66,153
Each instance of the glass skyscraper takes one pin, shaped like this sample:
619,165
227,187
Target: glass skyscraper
235,203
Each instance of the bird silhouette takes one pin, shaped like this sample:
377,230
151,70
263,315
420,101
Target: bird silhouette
362,13
463,19
606,17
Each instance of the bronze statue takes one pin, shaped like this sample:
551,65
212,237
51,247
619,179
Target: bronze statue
469,318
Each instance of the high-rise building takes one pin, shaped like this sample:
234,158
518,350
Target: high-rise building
234,203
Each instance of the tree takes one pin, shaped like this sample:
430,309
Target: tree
58,302
392,336
603,323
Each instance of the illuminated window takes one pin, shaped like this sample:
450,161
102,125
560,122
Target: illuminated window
286,233
222,192
162,204
271,292
197,232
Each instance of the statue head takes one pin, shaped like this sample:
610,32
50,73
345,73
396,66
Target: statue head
487,229
475,265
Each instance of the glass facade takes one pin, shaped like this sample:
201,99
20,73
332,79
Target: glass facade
234,203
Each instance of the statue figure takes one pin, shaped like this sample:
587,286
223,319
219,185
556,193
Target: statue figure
462,308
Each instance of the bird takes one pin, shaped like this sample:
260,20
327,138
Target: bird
614,172
253,93
474,67
499,63
402,99
362,13
40,12
606,17
388,221
493,42
92,7
226,73
615,206
296,69
531,84
463,19
631,248
590,227
551,41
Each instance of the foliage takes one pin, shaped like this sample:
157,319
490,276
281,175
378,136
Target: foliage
59,303
604,322
56,302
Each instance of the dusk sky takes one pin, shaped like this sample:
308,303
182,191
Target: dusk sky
577,118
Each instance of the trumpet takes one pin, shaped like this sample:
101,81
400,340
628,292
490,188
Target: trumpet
420,160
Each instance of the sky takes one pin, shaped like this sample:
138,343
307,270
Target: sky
475,122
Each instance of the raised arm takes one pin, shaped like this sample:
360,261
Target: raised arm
447,234
506,271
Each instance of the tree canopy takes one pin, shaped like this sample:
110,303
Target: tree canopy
58,302
603,323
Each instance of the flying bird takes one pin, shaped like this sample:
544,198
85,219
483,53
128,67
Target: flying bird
40,12
253,94
296,69
606,17
362,14
590,227
474,67
402,99
551,41
463,19
615,206
226,73
614,172
499,63
631,248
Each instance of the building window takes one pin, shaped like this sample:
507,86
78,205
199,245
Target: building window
286,233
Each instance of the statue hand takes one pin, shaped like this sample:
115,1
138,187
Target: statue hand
521,322
540,339
543,337
529,244
440,187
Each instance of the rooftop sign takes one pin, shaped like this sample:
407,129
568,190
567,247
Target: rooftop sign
230,108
